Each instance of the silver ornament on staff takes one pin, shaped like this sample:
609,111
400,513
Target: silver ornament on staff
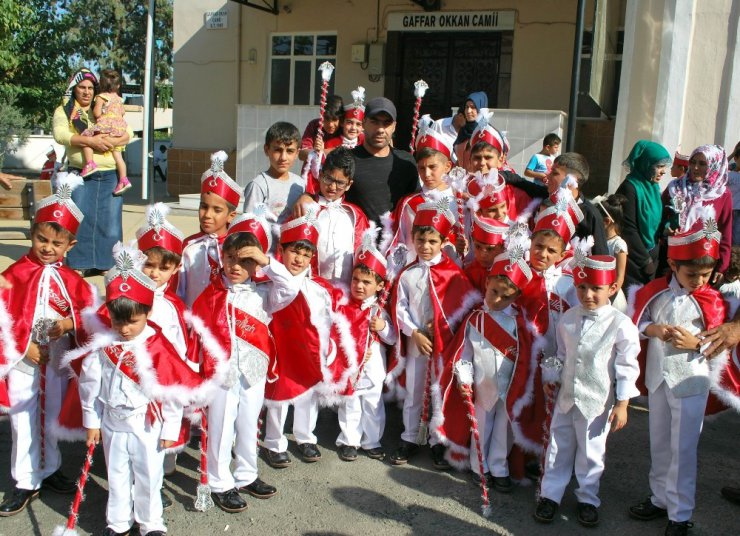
420,89
551,368
40,335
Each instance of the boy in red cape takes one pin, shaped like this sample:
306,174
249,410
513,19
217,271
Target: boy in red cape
671,312
361,372
132,388
237,308
430,298
306,345
487,236
40,318
201,255
496,339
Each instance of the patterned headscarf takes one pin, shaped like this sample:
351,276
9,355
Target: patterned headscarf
688,196
77,117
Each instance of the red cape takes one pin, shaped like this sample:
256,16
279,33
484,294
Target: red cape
300,367
725,373
477,275
454,428
452,296
17,307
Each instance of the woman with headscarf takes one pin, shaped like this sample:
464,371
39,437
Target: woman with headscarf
101,227
647,162
703,185
471,110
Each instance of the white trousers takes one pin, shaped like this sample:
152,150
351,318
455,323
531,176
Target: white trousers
413,404
675,427
233,415
25,457
305,413
493,430
575,443
362,418
134,462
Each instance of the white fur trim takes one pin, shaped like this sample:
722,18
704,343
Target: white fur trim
349,346
62,530
631,296
526,214
62,433
386,237
538,344
716,370
213,347
471,299
12,355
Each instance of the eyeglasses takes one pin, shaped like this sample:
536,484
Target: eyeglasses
340,185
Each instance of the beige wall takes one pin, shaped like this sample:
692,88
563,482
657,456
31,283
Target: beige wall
207,62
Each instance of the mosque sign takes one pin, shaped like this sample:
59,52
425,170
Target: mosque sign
451,21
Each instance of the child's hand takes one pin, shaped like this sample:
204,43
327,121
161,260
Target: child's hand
664,332
318,144
461,245
618,416
422,342
93,436
37,354
254,253
61,327
4,283
683,340
166,443
377,324
549,389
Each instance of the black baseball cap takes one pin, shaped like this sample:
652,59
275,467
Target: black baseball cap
380,105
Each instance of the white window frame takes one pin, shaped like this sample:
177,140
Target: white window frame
293,58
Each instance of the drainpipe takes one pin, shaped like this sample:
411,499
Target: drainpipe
575,78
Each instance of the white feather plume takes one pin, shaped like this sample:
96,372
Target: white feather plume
358,95
218,159
420,89
262,211
457,179
370,237
156,215
127,258
67,183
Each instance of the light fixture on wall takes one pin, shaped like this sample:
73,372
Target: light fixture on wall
252,57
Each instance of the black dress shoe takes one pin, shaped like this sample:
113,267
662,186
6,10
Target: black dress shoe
230,501
731,494
347,453
166,501
404,451
438,458
110,532
59,483
17,501
309,452
545,511
678,528
375,454
646,511
502,484
475,477
588,515
277,460
259,489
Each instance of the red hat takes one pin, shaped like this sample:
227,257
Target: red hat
303,228
562,217
216,180
369,255
489,134
356,109
126,280
513,265
59,207
158,232
593,269
486,190
435,215
256,223
488,230
430,136
701,240
681,159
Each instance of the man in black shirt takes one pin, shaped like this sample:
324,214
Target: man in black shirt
383,174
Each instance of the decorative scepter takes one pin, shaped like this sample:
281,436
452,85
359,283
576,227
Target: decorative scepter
456,180
69,528
326,70
464,373
551,368
420,89
40,335
423,433
203,500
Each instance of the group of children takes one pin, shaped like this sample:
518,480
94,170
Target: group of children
487,300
